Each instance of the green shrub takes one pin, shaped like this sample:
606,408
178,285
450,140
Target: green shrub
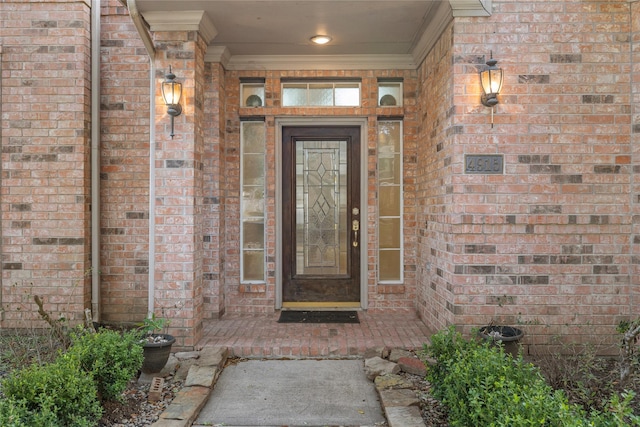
16,413
111,358
481,386
56,391
445,347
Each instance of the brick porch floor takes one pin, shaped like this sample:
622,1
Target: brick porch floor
257,336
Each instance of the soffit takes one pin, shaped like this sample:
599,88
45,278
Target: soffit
275,33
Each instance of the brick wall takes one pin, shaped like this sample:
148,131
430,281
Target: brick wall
634,299
45,127
547,245
124,171
214,200
434,184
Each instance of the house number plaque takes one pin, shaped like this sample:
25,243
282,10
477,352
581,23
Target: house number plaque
483,163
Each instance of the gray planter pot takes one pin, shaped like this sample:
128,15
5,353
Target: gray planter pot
156,354
506,336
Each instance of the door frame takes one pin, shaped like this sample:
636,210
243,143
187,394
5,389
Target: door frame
323,121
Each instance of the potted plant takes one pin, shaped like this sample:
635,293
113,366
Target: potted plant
156,345
506,336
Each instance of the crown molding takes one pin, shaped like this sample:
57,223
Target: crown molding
219,54
182,20
309,62
438,22
470,7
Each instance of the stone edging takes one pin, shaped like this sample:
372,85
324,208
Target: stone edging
203,369
399,401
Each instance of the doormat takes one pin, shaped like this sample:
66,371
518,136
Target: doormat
318,317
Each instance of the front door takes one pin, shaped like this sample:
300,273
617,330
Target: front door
321,215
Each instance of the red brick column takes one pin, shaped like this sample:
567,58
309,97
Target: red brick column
179,188
214,199
124,173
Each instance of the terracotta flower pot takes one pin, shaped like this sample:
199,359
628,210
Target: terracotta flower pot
156,353
506,336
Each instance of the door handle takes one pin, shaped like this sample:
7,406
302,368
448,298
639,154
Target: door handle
355,226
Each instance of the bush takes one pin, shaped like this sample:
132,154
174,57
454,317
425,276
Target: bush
57,392
65,393
16,413
482,386
111,358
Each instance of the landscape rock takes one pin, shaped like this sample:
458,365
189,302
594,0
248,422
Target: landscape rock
185,355
377,366
391,381
183,368
404,417
397,353
398,397
412,365
375,352
204,376
213,356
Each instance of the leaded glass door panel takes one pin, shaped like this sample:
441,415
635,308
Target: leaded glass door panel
321,214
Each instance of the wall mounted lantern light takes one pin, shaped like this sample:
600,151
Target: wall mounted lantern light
491,81
171,93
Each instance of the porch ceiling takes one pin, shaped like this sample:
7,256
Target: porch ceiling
268,33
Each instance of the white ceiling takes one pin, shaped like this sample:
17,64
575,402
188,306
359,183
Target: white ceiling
256,31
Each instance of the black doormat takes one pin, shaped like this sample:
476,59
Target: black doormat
318,317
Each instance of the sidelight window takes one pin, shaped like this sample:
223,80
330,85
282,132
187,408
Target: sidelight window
252,212
390,174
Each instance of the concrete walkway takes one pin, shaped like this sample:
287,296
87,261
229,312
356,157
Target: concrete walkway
282,392
293,393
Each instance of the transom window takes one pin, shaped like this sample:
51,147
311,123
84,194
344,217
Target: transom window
321,94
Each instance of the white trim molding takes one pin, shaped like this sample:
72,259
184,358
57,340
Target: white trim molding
309,62
470,7
440,18
183,20
364,188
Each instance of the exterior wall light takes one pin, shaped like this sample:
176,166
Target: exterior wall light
491,81
171,93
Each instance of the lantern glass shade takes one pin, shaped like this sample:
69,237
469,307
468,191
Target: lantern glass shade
491,80
171,92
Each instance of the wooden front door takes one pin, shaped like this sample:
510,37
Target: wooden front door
321,214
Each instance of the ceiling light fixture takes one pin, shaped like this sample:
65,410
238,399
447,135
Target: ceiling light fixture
320,39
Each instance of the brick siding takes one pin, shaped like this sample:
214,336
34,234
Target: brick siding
547,245
124,169
45,160
550,245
